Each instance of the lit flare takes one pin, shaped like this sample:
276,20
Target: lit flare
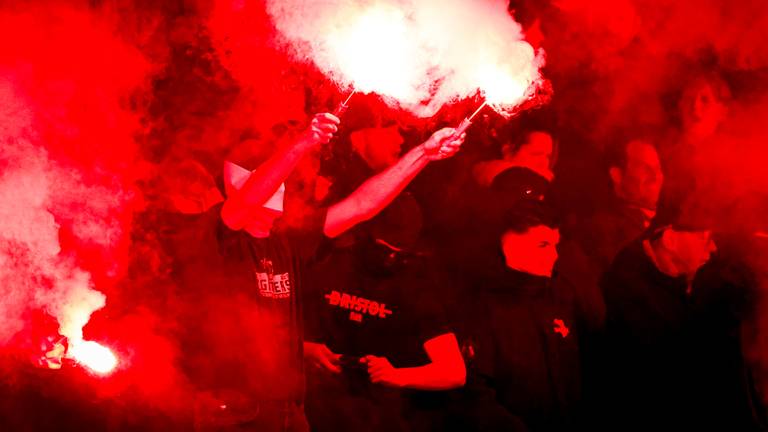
93,355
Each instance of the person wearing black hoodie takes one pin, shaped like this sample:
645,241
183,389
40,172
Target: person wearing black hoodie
520,340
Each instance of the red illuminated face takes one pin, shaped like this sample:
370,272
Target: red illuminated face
533,252
702,112
639,183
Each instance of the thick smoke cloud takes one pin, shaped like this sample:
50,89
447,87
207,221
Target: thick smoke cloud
632,58
75,93
421,55
67,135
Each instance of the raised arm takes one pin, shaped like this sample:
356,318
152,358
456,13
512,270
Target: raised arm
445,370
378,191
266,179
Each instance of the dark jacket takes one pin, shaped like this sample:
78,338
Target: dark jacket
587,251
673,348
525,349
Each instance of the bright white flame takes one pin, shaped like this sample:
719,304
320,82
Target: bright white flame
93,355
500,88
375,52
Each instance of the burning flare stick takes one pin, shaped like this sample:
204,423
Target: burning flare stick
541,96
89,354
326,152
342,107
462,127
94,356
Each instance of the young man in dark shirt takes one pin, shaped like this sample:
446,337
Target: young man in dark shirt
243,340
521,338
376,306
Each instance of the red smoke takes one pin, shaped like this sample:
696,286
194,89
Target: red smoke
69,88
272,89
68,147
74,85
73,94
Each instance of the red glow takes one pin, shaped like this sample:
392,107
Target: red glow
94,356
94,118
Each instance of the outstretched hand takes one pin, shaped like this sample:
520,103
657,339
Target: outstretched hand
321,129
443,144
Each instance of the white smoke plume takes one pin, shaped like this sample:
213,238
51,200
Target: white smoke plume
34,274
420,54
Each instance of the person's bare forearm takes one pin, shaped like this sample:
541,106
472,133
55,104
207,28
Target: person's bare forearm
375,193
433,377
378,191
446,369
381,189
262,183
265,180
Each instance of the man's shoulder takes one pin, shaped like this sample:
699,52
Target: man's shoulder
630,265
616,217
632,253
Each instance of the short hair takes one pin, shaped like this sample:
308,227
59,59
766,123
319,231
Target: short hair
517,140
526,215
516,132
616,152
695,212
519,184
714,80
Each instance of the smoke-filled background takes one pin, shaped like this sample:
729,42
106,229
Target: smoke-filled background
115,114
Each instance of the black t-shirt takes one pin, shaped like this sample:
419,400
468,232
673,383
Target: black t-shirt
240,316
524,347
356,313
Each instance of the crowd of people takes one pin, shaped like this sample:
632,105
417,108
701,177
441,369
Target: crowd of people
334,299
